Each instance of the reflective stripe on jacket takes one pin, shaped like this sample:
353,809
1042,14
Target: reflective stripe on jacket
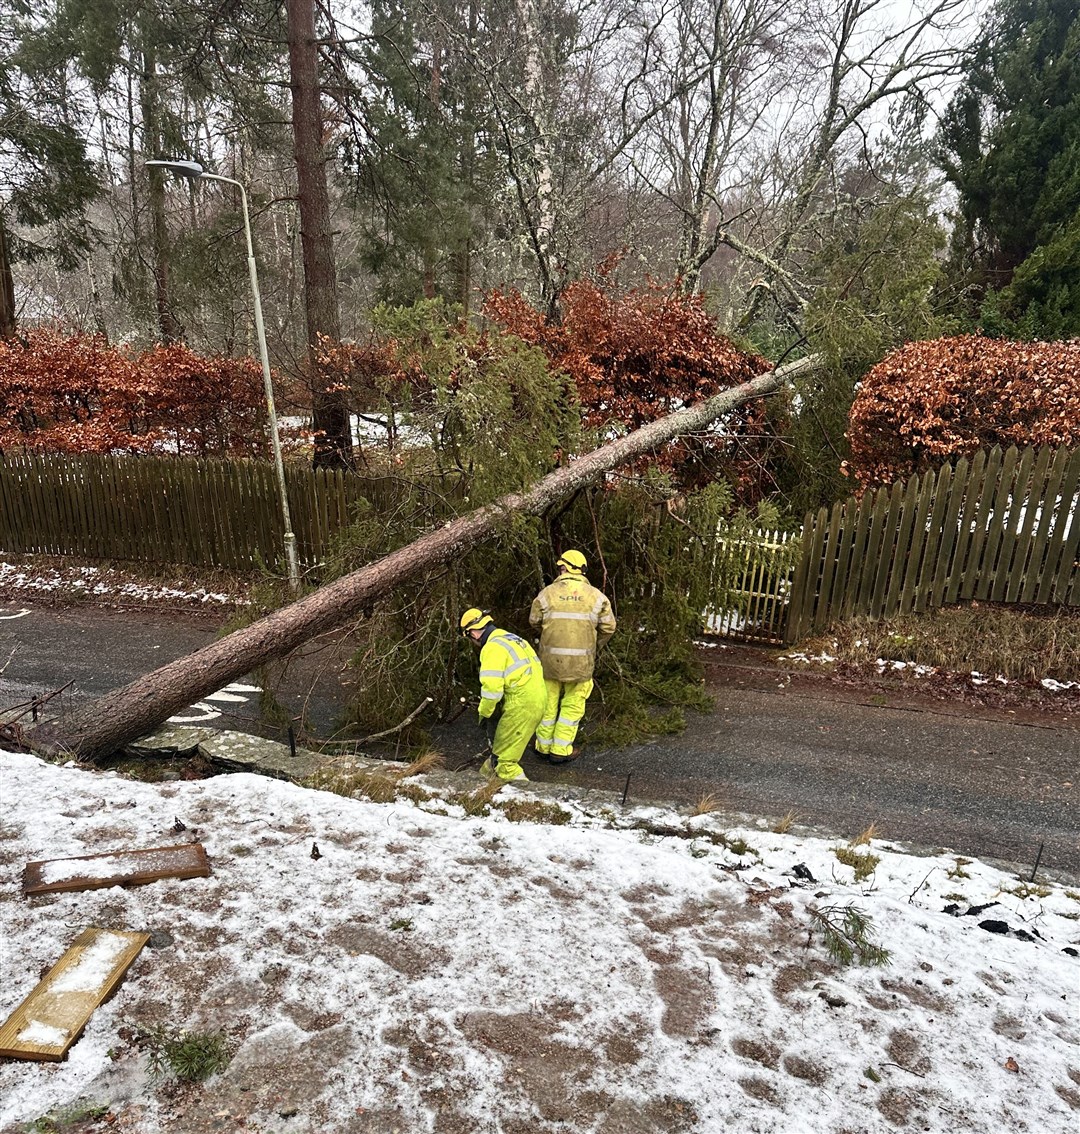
576,620
507,662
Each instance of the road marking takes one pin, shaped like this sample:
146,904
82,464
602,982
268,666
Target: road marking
207,712
22,613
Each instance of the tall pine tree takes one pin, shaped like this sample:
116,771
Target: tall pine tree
1010,143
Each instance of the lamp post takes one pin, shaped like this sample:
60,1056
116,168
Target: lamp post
195,172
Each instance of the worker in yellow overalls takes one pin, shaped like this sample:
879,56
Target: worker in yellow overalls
575,620
510,676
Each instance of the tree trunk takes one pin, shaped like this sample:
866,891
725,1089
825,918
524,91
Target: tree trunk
541,216
125,714
330,416
168,326
8,324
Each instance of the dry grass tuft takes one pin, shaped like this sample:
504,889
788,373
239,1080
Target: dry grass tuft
534,811
479,802
342,777
1020,644
429,761
863,864
415,793
783,825
706,804
863,839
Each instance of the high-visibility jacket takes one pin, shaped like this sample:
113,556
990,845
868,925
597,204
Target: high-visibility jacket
576,620
508,664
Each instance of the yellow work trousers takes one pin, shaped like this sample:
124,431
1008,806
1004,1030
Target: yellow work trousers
522,709
562,714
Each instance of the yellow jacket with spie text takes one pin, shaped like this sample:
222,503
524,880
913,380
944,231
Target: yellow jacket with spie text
575,620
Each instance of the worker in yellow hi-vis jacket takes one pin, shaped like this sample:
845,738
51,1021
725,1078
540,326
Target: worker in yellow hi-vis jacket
510,676
575,620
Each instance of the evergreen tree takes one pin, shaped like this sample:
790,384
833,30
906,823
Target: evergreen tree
46,177
877,282
422,175
1010,143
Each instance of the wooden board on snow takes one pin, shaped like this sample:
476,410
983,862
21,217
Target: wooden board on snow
116,868
53,1016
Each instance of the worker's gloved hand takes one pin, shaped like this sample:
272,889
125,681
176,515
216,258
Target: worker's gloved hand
487,724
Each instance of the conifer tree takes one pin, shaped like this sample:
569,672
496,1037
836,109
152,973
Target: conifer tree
48,176
1010,144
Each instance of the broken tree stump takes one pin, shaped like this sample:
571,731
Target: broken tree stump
53,1016
115,868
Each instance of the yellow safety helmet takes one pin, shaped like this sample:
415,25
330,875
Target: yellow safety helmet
474,619
572,561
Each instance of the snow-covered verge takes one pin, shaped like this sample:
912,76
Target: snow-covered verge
75,582
431,971
886,665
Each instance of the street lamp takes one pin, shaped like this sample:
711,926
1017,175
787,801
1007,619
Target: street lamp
195,172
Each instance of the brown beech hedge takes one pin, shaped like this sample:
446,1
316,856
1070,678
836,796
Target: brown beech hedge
929,402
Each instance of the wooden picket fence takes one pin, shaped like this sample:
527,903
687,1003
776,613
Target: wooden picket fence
756,571
1004,527
203,513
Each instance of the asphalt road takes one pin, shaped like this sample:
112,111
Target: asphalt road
956,777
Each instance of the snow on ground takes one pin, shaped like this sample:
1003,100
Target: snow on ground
432,971
917,669
103,582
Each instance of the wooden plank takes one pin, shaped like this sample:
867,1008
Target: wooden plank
886,549
35,494
874,538
50,514
108,506
955,530
1012,564
816,576
163,544
52,1017
934,539
217,501
779,581
92,470
976,509
1055,548
858,555
915,568
997,521
1040,540
1065,590
115,868
793,623
899,559
1015,512
13,525
829,566
58,479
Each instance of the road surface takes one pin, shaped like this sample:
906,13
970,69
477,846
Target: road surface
952,776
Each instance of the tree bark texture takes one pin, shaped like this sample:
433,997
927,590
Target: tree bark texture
7,287
123,715
330,417
169,329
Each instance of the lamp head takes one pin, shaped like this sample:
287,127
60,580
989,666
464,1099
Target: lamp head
190,169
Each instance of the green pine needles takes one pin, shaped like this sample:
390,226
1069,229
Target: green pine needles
190,1056
847,934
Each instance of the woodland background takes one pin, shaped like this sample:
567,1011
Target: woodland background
617,183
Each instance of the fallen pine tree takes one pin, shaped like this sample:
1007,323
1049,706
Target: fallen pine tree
105,725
